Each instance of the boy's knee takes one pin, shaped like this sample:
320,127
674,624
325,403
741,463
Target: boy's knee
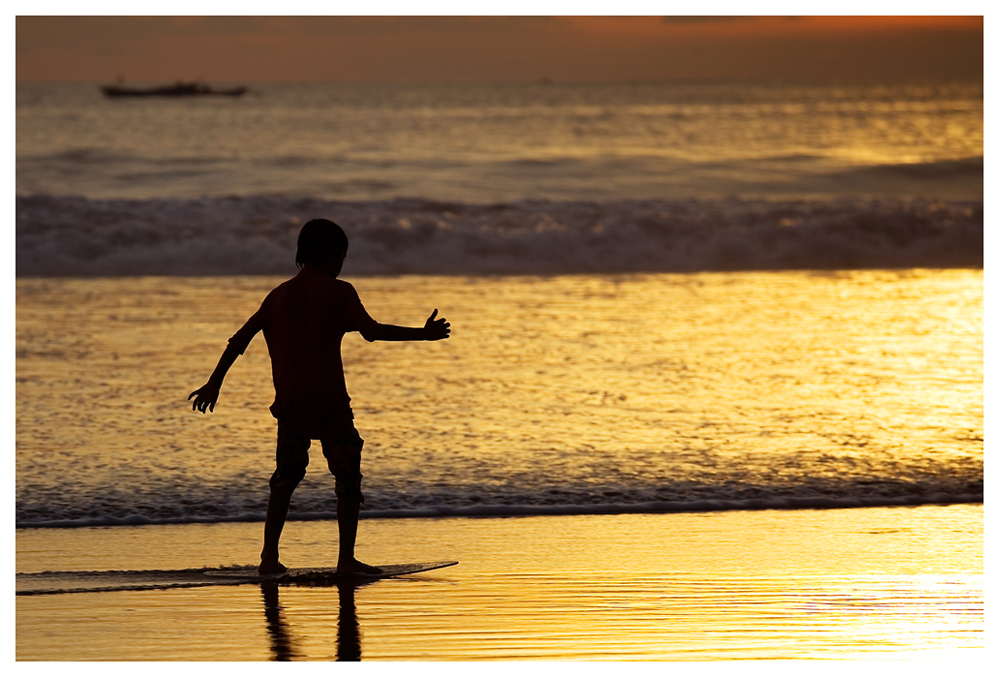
291,460
284,480
348,485
343,458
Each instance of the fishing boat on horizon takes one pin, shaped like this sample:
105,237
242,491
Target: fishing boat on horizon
178,89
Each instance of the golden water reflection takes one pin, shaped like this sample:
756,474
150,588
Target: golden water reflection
883,583
677,617
736,387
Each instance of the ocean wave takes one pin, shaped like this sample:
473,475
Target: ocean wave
509,510
75,236
961,168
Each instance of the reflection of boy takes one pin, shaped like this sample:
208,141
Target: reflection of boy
304,320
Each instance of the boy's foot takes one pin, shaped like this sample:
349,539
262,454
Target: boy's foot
355,568
271,568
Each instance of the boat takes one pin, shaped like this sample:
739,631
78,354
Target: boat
179,89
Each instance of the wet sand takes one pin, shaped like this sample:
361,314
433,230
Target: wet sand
873,583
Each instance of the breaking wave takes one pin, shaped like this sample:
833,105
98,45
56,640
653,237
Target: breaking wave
75,236
943,484
507,510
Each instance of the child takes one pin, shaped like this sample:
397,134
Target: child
304,320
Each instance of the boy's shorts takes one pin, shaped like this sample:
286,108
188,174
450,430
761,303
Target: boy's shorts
343,457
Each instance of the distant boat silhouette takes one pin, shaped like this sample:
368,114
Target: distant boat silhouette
180,89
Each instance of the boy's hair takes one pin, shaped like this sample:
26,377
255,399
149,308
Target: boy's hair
320,239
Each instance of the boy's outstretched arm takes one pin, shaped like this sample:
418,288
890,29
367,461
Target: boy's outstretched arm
209,393
433,330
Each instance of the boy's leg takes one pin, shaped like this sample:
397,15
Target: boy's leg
291,459
274,523
348,510
343,455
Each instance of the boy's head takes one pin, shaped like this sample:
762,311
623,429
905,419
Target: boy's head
320,242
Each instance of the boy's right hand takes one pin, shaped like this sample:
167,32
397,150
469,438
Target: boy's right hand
436,329
207,397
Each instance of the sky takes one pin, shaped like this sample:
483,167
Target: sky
495,49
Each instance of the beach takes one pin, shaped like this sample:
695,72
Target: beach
878,583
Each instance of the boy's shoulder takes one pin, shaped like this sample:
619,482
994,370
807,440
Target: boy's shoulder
311,281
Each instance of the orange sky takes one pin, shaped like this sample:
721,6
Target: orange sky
416,49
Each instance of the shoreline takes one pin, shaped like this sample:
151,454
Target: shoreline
506,511
677,587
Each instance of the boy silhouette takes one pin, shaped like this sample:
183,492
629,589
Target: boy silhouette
304,320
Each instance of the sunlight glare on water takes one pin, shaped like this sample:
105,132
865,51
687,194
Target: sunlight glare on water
568,390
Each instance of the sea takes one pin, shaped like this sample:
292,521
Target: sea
664,297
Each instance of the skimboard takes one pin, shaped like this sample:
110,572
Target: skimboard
318,574
136,580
